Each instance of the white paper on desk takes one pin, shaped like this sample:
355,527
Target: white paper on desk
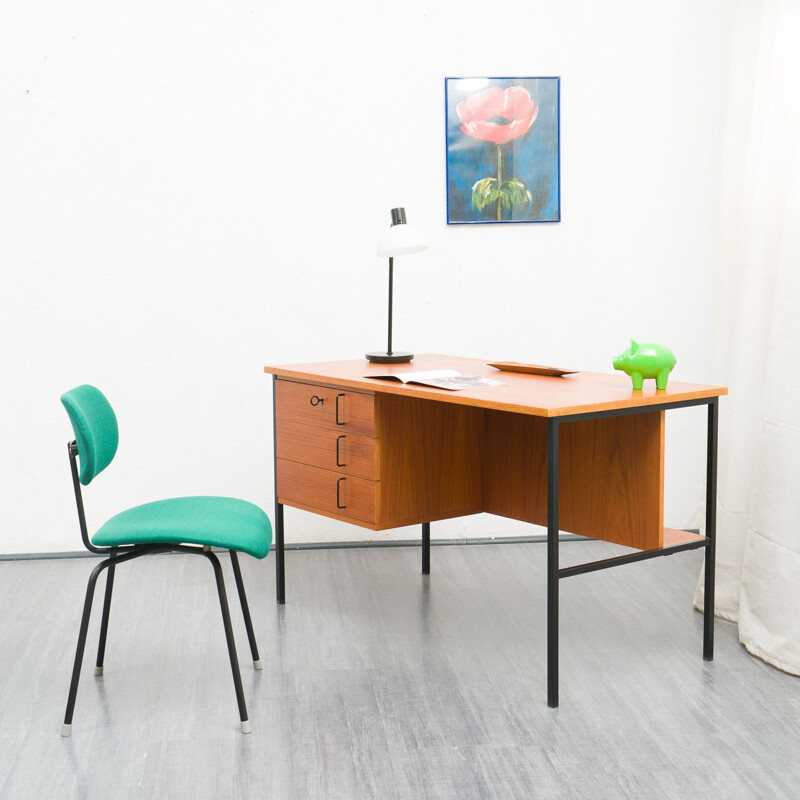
441,379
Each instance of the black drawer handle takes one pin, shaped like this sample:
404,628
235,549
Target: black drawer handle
337,409
338,463
316,401
338,496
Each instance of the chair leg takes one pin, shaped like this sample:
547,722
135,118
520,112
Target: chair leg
66,730
248,623
226,621
101,647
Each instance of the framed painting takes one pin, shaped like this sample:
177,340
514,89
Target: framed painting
503,150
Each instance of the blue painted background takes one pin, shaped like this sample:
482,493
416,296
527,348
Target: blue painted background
532,159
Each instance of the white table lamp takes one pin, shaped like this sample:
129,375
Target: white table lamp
401,239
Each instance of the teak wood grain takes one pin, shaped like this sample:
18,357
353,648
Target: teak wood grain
611,475
315,489
431,464
537,395
438,454
356,409
347,453
429,461
672,536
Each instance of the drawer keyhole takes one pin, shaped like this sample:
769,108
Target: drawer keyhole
316,401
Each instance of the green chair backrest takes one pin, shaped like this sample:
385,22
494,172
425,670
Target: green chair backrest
95,426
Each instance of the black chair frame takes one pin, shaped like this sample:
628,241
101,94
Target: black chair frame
118,555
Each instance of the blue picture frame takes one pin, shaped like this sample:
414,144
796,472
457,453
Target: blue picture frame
503,145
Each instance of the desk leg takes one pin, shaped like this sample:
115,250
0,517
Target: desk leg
711,530
426,548
279,571
280,575
552,563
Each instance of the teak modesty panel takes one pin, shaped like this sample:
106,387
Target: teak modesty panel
611,473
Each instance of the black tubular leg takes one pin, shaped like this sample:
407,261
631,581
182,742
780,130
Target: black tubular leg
76,668
110,562
248,623
280,573
226,621
552,563
711,529
426,548
101,647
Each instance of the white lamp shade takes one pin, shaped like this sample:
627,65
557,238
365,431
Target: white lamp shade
402,240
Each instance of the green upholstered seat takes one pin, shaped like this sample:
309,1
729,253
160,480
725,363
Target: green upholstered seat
215,521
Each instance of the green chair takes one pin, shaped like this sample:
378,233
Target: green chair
161,527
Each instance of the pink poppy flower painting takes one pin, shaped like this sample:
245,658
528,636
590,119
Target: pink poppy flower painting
503,154
497,116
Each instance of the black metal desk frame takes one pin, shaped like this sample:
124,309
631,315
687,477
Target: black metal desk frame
554,572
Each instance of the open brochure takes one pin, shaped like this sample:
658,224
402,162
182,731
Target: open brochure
441,379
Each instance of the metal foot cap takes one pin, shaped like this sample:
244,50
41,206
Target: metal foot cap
257,664
245,725
66,730
98,670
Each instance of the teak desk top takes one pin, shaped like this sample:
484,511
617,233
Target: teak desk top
542,396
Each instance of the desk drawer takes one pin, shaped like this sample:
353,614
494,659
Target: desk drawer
341,495
323,406
347,453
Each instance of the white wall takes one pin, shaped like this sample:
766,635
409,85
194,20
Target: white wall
192,190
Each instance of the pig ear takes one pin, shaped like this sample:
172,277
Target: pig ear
634,346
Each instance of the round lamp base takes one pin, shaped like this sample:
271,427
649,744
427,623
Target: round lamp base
390,358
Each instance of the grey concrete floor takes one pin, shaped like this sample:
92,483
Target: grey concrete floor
381,683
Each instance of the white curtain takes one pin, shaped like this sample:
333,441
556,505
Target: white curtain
757,347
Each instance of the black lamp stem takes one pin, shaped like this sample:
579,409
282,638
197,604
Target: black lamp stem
391,283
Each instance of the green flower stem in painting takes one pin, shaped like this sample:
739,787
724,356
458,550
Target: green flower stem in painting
499,183
510,195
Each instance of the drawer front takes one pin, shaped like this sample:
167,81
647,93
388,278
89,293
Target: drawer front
337,409
342,495
346,453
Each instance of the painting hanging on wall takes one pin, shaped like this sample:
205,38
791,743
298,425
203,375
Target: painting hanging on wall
503,150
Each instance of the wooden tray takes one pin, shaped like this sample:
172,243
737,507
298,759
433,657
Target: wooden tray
531,369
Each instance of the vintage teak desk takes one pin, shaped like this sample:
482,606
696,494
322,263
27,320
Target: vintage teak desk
583,454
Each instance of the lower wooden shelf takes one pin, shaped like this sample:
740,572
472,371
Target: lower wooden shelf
673,536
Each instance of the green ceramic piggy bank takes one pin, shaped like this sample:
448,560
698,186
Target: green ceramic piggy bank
642,361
